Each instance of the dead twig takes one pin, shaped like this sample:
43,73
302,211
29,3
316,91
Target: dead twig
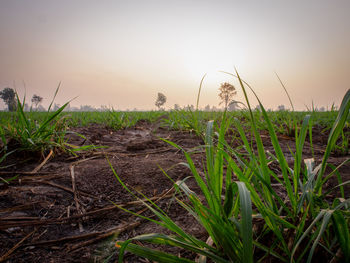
99,235
77,205
34,178
83,160
23,173
117,230
65,188
42,163
135,154
40,235
64,239
97,212
19,218
20,207
8,253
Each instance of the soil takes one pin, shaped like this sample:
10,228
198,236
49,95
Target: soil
62,209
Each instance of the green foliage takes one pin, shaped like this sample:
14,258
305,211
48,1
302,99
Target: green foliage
36,135
296,225
237,183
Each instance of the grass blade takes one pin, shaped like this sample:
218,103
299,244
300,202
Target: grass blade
333,136
341,229
246,222
150,254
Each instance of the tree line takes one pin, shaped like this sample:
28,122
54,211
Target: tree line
227,92
8,95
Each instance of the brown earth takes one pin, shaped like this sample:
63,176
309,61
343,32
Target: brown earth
64,211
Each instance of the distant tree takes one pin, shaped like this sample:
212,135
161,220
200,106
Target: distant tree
86,108
207,108
189,108
227,91
177,107
234,105
8,95
281,107
161,99
322,108
36,100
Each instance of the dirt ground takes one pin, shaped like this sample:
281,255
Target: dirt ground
64,211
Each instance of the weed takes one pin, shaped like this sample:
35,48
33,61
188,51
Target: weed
296,225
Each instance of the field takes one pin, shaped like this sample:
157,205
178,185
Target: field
244,186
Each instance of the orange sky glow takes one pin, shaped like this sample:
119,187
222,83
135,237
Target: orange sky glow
122,53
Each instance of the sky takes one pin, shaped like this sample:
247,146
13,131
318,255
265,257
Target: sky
122,53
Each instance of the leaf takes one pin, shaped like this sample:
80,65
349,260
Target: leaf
333,136
341,229
246,222
151,254
229,198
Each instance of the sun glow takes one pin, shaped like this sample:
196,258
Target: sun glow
210,59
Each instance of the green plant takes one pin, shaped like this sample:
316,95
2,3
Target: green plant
28,135
32,136
303,214
342,147
301,184
119,120
217,218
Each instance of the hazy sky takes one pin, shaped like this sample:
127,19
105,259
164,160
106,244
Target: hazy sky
121,53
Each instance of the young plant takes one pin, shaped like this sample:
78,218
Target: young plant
299,187
234,181
28,135
231,234
32,136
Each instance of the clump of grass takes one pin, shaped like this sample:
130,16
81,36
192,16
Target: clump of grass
119,120
32,136
291,227
29,135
